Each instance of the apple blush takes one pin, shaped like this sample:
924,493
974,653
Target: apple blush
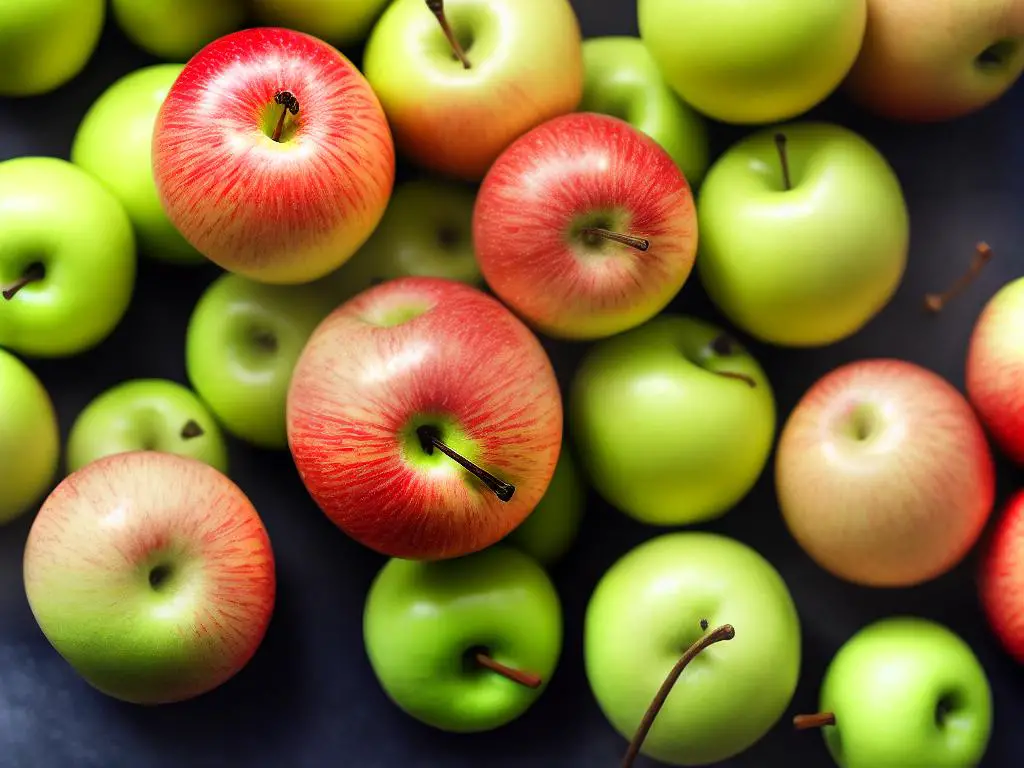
1001,578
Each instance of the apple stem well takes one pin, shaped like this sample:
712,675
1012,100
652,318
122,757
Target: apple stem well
725,345
780,145
819,720
593,234
724,632
33,274
430,439
437,8
982,256
482,658
287,100
191,430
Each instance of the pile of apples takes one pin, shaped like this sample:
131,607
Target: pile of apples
390,337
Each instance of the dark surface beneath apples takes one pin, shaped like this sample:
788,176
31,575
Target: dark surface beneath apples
309,697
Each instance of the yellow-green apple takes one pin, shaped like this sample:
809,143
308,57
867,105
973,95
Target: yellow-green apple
883,473
29,438
176,29
67,262
46,43
904,691
339,22
804,234
114,143
753,61
585,227
425,419
621,78
146,415
654,626
674,421
934,60
152,575
1001,577
461,80
464,645
272,155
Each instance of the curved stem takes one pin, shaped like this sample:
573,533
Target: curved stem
638,243
515,675
437,8
806,722
982,256
738,376
431,439
33,274
191,430
780,145
290,104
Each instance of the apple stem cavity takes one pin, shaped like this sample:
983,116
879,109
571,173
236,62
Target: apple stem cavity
515,675
430,439
437,8
780,144
33,274
725,345
819,720
594,233
191,430
287,100
717,635
935,302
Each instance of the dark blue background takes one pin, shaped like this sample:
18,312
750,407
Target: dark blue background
309,697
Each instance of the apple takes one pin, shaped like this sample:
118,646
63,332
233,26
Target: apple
241,346
464,645
152,575
46,43
585,227
883,474
339,22
804,234
461,80
674,421
935,61
1001,577
753,61
424,419
621,78
67,267
653,627
29,438
177,29
904,691
146,415
272,155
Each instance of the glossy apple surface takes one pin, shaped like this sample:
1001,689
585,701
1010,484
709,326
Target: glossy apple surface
339,22
1001,577
177,29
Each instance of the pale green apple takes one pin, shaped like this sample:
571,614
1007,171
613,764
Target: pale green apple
339,22
177,29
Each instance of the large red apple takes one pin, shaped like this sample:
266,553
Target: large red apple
585,227
1001,578
272,155
884,475
425,419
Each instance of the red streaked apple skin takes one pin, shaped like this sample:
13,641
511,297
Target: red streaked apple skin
899,503
359,390
1001,578
279,212
542,187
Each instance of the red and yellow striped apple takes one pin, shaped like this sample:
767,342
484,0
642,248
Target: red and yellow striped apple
1001,578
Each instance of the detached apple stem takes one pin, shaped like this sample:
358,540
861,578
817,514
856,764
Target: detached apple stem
982,256
287,100
33,274
437,8
430,439
807,722
780,144
724,632
515,675
633,242
191,430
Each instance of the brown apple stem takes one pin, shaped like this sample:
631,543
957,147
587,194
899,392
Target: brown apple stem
287,100
982,256
515,675
33,274
724,632
819,720
725,345
780,144
191,430
437,8
739,377
633,242
431,439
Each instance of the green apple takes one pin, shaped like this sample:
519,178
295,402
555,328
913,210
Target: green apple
114,143
146,415
67,258
753,61
674,421
45,43
467,644
241,346
621,79
339,22
904,692
660,599
29,438
804,234
177,29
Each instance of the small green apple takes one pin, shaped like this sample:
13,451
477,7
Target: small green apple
177,29
467,644
339,22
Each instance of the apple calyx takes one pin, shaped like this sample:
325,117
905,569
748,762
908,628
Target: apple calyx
287,100
592,235
725,345
717,635
483,659
437,8
818,720
430,438
264,340
191,430
935,302
32,274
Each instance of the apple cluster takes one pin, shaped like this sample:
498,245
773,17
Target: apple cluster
393,337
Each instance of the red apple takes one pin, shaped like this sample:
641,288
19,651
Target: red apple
884,475
585,227
399,385
1001,578
272,155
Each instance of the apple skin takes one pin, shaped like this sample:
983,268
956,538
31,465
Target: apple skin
277,212
339,22
423,352
682,444
883,474
455,121
884,688
29,439
577,171
922,60
421,619
109,529
759,61
647,610
810,266
621,79
1001,577
55,214
176,29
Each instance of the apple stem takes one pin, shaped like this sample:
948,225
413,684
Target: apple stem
287,100
739,377
33,274
515,675
191,430
780,144
724,632
982,256
806,722
430,439
437,8
633,242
